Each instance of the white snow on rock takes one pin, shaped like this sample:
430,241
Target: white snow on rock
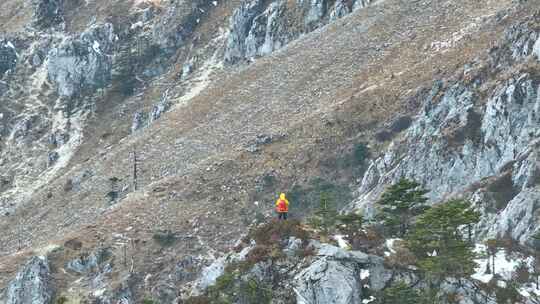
504,265
342,243
364,274
96,46
369,300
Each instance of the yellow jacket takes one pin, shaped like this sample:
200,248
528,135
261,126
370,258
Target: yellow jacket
282,207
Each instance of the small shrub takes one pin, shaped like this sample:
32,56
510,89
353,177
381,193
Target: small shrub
68,186
521,273
361,154
149,301
401,124
164,239
383,136
62,300
254,291
263,235
259,253
508,294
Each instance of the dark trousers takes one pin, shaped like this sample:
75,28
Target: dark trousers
282,215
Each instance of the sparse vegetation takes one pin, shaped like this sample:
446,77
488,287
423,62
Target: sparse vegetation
306,199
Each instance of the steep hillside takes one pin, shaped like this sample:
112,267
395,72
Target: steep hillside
152,135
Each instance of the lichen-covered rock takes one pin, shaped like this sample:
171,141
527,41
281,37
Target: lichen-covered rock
33,284
83,63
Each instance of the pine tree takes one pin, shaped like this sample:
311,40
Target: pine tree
326,214
399,204
437,240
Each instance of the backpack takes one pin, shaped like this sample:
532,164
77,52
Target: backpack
282,206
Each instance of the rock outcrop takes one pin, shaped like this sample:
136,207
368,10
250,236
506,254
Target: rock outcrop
83,63
48,12
33,284
256,30
8,57
460,138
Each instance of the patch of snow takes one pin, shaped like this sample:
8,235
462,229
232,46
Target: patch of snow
367,301
10,45
214,3
96,46
390,245
137,25
364,274
504,266
342,243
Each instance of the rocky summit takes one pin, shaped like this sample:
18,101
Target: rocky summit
144,143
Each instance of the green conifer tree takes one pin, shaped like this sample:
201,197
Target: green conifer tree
399,204
437,240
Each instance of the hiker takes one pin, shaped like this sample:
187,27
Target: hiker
282,206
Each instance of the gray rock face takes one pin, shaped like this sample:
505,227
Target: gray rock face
328,281
268,31
458,140
33,284
240,25
48,12
522,40
341,9
256,31
8,57
83,63
315,12
358,4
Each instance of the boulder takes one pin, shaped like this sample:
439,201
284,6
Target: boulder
328,281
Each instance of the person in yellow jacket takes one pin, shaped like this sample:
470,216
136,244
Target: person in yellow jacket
282,206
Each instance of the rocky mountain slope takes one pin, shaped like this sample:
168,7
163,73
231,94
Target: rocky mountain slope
140,140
